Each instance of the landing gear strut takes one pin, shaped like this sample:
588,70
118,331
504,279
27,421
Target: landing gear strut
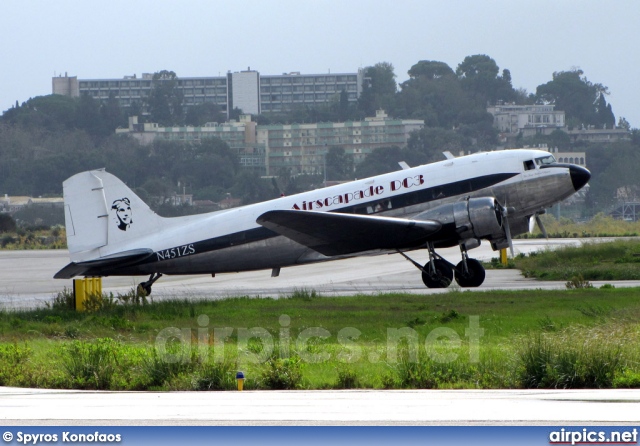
438,272
146,286
469,272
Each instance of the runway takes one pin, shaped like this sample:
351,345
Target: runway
346,407
26,277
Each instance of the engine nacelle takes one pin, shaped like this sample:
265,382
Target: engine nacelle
475,218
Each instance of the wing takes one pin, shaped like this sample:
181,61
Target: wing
126,258
333,234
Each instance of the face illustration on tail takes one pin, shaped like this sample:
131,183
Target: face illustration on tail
122,206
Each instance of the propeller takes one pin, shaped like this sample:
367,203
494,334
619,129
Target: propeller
504,210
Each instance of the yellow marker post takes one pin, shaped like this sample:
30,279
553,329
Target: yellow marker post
240,379
79,293
503,256
93,285
83,288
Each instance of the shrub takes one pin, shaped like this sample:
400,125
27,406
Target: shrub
12,361
347,379
7,223
215,376
544,364
63,300
282,373
159,370
628,379
578,282
304,294
95,303
91,365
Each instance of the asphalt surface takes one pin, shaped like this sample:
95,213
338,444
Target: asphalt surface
346,407
26,277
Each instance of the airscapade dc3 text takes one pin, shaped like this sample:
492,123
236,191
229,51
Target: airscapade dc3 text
369,192
346,198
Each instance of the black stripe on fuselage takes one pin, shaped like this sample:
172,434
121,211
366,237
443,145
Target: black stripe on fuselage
399,201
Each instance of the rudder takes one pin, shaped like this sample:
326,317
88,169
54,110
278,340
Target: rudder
102,213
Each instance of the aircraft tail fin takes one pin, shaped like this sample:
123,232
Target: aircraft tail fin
102,214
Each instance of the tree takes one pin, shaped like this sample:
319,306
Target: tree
165,99
379,88
250,188
88,116
604,114
7,224
479,76
235,113
430,69
433,93
614,172
386,159
338,165
557,139
431,142
112,115
51,112
623,123
200,114
343,108
571,92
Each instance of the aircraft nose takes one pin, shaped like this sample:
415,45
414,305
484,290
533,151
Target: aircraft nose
579,176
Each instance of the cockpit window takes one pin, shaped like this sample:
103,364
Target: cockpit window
528,165
543,160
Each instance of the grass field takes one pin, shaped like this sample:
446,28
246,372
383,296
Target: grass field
573,338
579,337
617,260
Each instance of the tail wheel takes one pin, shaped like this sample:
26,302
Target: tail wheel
442,277
143,288
473,277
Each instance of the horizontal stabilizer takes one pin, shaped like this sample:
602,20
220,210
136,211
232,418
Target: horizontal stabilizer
113,261
333,234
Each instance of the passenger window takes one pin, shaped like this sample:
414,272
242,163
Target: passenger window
529,165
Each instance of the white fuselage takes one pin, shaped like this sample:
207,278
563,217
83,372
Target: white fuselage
231,240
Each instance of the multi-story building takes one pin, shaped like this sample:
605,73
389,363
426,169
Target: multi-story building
239,135
299,148
594,135
66,86
246,90
529,120
133,89
526,119
282,92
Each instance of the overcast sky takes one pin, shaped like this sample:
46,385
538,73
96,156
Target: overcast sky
111,39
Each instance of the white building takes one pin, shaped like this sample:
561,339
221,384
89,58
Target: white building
247,90
526,119
300,148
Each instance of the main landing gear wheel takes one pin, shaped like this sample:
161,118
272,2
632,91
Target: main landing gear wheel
473,276
437,274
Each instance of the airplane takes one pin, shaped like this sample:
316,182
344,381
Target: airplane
460,201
